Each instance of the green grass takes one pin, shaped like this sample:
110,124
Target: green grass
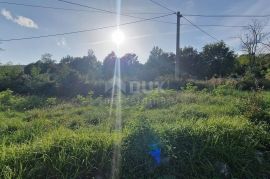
200,134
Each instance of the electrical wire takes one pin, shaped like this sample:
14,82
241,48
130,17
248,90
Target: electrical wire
225,15
160,5
128,13
70,9
106,11
217,25
84,10
82,31
45,7
200,29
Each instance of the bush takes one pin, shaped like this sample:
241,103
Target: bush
223,90
253,84
6,99
84,100
10,101
190,87
29,102
255,108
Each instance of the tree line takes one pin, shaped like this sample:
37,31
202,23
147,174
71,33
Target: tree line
79,75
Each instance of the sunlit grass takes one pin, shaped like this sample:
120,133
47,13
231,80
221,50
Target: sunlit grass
200,134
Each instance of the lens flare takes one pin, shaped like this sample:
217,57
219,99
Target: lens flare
118,37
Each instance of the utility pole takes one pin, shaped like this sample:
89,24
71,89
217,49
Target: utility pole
177,57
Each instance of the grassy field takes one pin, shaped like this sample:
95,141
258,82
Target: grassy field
188,134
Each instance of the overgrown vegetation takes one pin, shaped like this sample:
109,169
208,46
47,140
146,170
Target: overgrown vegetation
212,122
73,76
190,134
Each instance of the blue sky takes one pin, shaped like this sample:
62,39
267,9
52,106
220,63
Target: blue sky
18,21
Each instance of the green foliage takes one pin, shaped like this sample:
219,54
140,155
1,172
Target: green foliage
193,114
190,87
159,99
6,99
51,101
84,100
222,133
9,101
255,108
74,76
159,64
201,149
219,59
61,154
225,89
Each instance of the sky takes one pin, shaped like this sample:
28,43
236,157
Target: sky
20,21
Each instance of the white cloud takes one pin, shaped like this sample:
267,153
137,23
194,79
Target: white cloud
6,14
24,21
20,20
61,42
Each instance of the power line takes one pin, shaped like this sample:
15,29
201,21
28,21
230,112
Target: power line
224,15
70,9
97,11
200,29
160,5
83,10
45,7
217,25
82,31
145,12
109,12
90,7
128,13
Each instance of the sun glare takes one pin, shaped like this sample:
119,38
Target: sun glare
118,37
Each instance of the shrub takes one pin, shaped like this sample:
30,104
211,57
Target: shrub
6,99
29,102
190,87
51,101
84,100
223,90
255,108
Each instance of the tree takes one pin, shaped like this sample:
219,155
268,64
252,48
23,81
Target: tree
88,66
108,66
130,66
11,77
189,63
47,58
254,42
218,59
159,64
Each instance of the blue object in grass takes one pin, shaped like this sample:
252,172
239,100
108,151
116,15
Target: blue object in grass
155,152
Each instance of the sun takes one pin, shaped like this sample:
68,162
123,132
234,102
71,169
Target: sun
118,37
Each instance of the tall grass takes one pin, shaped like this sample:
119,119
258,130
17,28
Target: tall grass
189,134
